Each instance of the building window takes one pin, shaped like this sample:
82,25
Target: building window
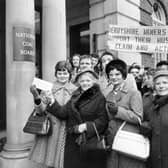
158,15
159,19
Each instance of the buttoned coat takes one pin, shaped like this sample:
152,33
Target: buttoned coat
84,107
49,150
130,109
156,114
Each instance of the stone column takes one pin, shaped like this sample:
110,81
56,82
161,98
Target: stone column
19,76
53,36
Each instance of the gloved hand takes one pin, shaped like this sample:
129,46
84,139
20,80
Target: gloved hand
112,107
34,91
49,97
78,129
145,129
108,148
81,139
108,89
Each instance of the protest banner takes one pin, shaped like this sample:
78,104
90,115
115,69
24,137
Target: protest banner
148,39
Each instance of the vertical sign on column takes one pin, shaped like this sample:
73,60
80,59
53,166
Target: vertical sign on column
23,44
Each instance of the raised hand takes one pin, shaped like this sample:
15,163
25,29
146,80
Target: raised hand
34,91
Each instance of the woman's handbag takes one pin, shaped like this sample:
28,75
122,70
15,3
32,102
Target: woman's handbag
131,144
96,143
38,124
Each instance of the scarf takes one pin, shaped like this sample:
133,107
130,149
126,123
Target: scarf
159,101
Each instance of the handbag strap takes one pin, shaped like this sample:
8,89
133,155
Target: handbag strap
139,120
124,123
120,128
97,134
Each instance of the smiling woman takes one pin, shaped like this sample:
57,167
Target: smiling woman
85,109
49,150
123,104
86,79
155,123
161,83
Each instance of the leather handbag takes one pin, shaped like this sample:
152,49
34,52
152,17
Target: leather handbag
131,144
96,143
39,124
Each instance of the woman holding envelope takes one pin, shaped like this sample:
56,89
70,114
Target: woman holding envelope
85,115
49,150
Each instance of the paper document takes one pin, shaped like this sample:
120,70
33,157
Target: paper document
42,84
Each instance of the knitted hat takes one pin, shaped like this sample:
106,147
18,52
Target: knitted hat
160,73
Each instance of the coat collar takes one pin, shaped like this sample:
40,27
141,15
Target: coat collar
86,94
118,95
160,101
69,87
91,92
80,98
124,88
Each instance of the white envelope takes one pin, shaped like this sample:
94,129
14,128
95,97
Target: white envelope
42,84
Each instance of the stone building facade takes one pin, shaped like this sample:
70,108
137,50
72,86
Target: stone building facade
98,14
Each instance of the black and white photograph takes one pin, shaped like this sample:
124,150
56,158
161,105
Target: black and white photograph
84,83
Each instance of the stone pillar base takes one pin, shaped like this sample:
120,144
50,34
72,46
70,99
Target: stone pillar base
16,151
16,156
18,163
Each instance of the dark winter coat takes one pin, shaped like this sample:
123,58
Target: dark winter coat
156,114
86,107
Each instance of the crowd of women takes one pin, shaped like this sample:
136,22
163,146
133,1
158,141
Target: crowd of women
96,95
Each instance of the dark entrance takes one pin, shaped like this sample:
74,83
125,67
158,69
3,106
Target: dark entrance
38,30
80,39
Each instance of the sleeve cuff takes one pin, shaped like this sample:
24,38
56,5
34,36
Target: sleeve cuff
89,129
37,101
